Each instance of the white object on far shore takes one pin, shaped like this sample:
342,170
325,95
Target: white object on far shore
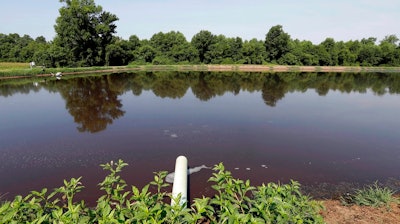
58,74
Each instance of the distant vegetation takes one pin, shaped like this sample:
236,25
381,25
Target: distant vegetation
85,36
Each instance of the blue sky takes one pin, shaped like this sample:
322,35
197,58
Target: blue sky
312,20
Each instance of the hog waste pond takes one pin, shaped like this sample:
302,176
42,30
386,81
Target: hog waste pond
330,131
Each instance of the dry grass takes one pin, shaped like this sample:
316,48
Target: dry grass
336,213
13,65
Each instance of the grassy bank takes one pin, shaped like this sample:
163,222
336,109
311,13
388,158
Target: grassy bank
235,201
19,70
22,70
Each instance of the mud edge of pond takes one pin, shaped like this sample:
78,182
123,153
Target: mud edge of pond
225,68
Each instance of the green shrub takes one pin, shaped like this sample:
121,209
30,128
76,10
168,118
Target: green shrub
373,195
162,60
236,201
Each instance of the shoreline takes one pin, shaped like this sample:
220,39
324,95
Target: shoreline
187,68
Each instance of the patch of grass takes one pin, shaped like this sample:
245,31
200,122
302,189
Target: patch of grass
318,69
294,68
373,195
353,69
13,65
28,73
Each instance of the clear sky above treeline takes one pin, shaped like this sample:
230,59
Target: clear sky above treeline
313,20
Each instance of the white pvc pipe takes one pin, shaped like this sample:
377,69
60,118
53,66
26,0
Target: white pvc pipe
180,180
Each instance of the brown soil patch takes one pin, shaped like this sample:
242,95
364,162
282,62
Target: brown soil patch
335,212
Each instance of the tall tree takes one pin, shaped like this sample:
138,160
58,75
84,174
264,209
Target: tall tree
390,51
369,54
329,45
277,43
84,31
390,39
218,51
345,57
202,41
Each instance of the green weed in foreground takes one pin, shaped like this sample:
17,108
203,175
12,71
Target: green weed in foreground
373,195
236,201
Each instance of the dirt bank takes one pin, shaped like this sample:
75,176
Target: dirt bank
336,213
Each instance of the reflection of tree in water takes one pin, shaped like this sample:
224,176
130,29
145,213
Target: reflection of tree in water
322,89
9,90
201,88
136,85
170,85
209,85
273,90
92,102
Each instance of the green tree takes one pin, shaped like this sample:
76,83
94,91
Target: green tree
41,40
84,30
134,41
202,41
120,52
324,58
172,47
116,55
329,45
369,54
253,52
307,53
390,51
145,53
289,59
16,48
164,42
390,39
354,48
217,52
345,56
368,41
276,43
234,50
184,52
4,47
224,50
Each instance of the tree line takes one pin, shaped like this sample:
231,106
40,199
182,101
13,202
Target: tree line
85,36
